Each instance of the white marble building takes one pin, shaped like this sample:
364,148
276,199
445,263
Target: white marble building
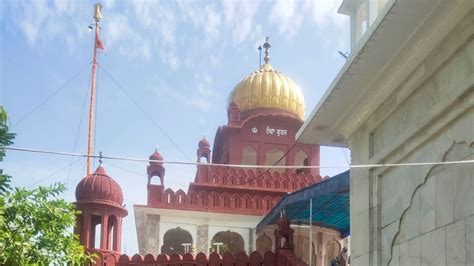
406,94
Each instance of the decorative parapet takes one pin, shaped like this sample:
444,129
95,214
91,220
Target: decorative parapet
253,179
249,204
230,190
214,259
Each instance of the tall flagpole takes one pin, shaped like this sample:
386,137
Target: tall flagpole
97,17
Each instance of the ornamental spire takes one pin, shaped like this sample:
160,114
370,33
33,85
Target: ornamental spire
267,47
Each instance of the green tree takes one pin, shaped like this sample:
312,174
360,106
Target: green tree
35,225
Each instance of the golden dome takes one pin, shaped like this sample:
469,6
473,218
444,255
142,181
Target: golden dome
268,88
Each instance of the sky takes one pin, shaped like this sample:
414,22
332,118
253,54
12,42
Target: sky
168,69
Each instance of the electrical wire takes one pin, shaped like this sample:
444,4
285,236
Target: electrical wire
55,172
139,174
49,97
238,165
250,180
78,131
143,111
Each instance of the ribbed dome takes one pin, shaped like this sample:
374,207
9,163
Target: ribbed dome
268,88
204,143
156,156
99,187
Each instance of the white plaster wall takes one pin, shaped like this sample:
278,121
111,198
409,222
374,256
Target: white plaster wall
189,221
419,215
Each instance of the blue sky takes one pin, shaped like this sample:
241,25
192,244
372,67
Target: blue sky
178,60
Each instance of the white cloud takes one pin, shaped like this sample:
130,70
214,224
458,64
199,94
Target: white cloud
41,21
204,17
287,14
170,57
324,12
119,34
205,86
202,95
201,104
154,15
148,28
240,16
213,21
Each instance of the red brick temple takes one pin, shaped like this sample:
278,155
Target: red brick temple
228,197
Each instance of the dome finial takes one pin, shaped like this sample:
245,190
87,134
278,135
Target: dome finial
267,47
100,158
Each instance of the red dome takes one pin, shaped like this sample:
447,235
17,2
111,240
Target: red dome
204,143
156,156
99,187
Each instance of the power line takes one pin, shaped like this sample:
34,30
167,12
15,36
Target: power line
49,97
268,169
238,165
144,112
139,174
77,133
55,172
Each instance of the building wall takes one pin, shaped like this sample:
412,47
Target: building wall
419,215
152,224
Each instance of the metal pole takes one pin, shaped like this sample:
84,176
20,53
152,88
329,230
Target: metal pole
260,57
91,110
310,232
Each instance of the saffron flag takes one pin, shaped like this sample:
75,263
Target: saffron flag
99,43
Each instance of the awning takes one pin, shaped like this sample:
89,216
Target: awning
330,205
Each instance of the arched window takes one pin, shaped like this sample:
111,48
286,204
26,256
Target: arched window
192,198
294,186
248,203
174,239
258,203
204,158
226,201
96,230
203,198
264,244
233,241
249,156
276,184
180,197
112,231
97,233
273,156
269,204
215,200
155,180
237,203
